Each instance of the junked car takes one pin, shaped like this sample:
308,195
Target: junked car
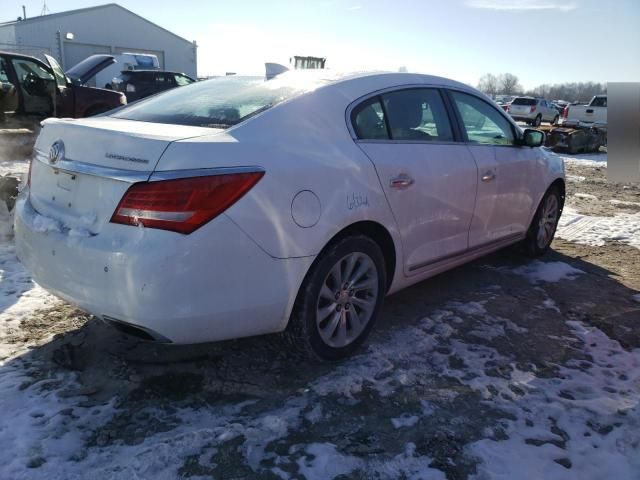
236,207
33,88
137,84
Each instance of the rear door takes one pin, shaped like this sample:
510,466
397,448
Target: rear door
505,172
429,179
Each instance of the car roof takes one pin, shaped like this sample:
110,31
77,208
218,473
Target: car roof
21,55
357,84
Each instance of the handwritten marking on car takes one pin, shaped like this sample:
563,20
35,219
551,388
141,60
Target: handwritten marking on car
357,200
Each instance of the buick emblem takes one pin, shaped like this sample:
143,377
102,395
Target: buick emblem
56,152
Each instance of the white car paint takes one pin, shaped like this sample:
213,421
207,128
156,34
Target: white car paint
528,113
239,274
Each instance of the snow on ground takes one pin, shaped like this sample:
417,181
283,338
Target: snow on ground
597,160
15,168
596,231
537,271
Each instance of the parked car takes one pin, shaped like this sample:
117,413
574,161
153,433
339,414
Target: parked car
125,62
533,111
31,87
239,206
137,84
594,114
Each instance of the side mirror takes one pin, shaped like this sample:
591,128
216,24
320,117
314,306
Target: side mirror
533,138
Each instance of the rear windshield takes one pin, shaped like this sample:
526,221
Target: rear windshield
524,101
219,102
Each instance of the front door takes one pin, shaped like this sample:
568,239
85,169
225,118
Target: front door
37,86
506,172
428,179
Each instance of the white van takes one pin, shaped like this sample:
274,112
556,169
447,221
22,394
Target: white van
126,61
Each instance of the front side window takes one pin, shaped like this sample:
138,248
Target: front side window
417,114
483,123
369,122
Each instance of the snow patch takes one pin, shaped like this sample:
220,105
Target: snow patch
551,272
596,231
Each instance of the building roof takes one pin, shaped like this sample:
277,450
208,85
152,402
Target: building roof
82,10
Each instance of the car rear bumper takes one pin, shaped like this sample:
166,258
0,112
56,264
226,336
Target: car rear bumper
523,118
214,284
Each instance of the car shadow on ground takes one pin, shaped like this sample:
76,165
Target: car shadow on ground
413,359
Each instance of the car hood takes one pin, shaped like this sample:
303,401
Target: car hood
82,72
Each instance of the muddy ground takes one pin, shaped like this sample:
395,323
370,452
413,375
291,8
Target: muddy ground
460,367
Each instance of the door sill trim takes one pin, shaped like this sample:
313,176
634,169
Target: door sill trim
512,238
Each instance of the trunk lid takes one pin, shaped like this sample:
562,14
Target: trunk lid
82,168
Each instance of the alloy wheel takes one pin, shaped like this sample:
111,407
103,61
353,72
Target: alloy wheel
548,221
347,299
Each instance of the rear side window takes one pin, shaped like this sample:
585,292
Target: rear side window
369,122
417,114
599,102
524,101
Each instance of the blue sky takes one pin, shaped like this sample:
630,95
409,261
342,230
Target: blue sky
541,41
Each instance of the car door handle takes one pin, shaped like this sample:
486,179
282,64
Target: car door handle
401,181
487,177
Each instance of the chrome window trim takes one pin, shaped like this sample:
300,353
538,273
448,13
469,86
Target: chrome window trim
132,176
202,172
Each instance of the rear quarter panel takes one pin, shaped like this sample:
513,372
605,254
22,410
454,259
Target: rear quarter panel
303,144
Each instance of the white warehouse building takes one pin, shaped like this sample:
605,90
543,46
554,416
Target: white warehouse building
74,35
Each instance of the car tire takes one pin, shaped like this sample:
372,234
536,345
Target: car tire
537,121
331,318
544,224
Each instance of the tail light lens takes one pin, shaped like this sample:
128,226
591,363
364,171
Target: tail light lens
182,205
533,109
565,112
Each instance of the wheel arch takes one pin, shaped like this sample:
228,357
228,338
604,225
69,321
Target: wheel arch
376,232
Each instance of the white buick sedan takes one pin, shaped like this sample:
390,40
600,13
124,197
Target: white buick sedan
238,206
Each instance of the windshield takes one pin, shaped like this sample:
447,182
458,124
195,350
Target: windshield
524,101
219,102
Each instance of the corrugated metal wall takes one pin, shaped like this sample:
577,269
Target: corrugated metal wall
106,29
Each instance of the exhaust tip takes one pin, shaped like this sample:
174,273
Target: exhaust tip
135,330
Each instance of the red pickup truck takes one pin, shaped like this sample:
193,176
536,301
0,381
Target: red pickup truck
30,87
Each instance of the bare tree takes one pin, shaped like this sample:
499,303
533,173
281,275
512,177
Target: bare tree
509,84
488,84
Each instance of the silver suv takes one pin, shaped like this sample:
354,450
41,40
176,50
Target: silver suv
534,111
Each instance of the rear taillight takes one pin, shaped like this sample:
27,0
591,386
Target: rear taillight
533,109
565,112
182,205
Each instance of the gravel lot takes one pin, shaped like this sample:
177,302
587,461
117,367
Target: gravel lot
501,369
